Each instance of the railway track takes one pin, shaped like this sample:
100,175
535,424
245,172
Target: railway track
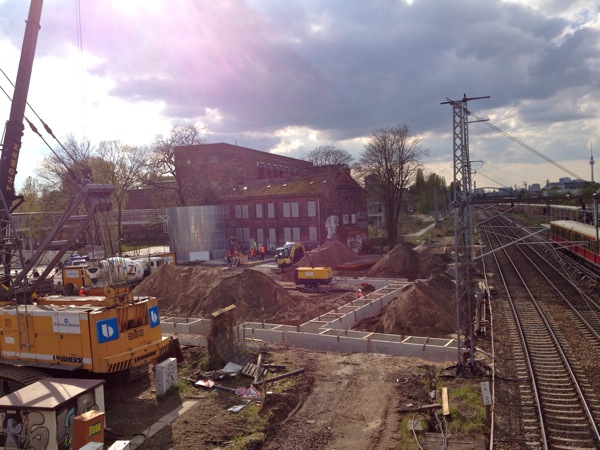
558,405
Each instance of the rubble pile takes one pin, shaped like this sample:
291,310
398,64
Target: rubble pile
424,309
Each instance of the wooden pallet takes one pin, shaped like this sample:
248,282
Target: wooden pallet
250,370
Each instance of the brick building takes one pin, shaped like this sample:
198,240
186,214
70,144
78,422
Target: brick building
203,161
326,205
275,199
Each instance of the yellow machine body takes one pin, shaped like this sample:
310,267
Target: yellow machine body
313,276
82,334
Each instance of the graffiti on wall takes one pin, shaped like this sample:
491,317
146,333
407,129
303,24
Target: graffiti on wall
331,225
28,428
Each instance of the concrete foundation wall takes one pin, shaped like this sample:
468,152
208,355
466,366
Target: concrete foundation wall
331,331
348,341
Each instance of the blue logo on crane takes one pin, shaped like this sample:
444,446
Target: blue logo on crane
153,316
107,330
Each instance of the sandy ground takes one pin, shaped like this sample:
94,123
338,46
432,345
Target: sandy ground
339,401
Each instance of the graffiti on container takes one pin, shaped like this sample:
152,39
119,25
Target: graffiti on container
28,428
23,429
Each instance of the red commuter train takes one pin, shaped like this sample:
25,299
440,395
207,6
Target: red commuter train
579,238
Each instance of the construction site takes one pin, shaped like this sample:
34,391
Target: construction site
399,342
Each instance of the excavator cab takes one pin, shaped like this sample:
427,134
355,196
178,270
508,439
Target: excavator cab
289,254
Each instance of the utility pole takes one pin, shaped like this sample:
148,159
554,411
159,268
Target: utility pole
463,228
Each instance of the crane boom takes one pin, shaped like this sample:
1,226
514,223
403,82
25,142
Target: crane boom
11,146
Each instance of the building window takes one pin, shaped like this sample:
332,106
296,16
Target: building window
312,208
312,233
296,234
239,236
295,209
353,218
246,234
287,234
259,210
241,212
260,236
272,244
271,210
286,209
345,219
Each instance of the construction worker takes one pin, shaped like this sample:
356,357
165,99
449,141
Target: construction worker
228,257
359,294
262,252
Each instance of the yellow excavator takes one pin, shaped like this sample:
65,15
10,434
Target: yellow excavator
289,254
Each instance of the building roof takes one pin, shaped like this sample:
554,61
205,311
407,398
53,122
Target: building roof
307,185
258,154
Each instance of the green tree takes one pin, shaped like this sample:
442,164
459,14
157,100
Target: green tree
392,157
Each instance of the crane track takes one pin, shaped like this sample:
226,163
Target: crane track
16,377
559,406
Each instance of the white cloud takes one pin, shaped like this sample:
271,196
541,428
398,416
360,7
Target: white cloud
289,76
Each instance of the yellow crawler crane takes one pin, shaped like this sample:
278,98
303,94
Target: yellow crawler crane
113,332
97,334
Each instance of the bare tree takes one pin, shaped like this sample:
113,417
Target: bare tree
120,165
161,163
391,159
329,154
67,168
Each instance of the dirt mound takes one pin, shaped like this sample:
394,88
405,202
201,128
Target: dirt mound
401,261
408,262
255,295
176,287
427,308
331,254
199,291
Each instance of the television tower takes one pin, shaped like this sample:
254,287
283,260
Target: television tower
592,161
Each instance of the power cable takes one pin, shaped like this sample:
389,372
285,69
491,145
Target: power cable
513,174
525,146
51,133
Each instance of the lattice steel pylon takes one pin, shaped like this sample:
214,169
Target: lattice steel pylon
463,231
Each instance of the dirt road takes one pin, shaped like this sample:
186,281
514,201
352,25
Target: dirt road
340,401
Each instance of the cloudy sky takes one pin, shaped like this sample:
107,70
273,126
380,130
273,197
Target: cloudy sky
287,76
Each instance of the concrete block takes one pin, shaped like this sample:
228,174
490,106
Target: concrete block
165,375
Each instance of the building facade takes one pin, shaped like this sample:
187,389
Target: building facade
275,199
327,205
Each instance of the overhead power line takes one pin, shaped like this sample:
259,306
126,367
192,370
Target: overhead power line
525,146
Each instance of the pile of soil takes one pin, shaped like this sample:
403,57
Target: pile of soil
404,261
199,291
331,254
424,309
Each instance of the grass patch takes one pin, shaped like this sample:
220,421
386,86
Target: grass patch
467,411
